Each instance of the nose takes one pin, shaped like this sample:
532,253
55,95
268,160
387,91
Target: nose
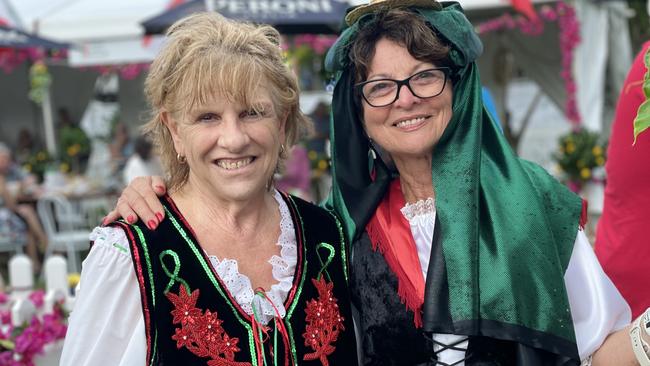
233,136
405,98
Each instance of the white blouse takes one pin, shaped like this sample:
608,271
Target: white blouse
106,325
597,307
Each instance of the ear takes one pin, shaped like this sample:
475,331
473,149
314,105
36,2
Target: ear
172,127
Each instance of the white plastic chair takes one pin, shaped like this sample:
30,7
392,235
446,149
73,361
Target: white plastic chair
61,224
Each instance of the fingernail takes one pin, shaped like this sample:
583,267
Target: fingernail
152,225
160,189
159,216
130,219
104,221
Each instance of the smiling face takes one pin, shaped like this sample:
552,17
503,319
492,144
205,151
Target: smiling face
231,149
411,126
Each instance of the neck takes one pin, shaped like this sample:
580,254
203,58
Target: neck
211,214
415,177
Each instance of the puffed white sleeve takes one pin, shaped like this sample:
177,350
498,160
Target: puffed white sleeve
106,325
597,307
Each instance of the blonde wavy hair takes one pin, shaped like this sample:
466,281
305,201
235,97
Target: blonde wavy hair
205,55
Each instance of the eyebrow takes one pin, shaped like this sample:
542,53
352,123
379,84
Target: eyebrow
412,72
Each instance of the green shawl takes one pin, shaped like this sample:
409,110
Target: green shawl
507,227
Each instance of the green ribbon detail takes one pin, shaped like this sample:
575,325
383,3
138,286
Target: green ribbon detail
330,256
173,275
259,329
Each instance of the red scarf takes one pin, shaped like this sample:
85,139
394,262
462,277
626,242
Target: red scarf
390,232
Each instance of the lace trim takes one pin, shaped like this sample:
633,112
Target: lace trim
419,208
239,285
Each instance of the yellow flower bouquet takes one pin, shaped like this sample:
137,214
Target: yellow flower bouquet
581,156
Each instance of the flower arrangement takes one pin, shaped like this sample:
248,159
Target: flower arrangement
75,148
580,157
319,163
306,52
37,163
40,80
19,345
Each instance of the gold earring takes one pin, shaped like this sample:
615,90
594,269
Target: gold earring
181,159
282,150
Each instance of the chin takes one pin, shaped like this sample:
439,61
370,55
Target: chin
242,191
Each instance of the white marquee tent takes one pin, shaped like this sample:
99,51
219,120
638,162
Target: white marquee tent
108,32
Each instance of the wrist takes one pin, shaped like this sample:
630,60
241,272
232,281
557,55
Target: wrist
640,337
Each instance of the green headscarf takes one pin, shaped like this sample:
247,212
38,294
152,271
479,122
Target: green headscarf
507,227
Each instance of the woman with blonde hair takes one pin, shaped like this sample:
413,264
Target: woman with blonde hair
238,273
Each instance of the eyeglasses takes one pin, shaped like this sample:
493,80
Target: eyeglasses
424,84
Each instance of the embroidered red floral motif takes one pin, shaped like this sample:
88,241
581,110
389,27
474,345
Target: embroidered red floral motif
202,333
324,322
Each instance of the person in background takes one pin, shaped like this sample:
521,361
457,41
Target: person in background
142,162
25,146
17,183
239,273
622,243
321,117
122,147
463,254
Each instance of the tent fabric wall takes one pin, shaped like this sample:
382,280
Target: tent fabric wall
539,57
602,60
71,88
531,54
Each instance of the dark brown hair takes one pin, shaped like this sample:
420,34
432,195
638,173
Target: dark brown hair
404,28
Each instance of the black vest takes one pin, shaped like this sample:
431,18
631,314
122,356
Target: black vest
387,327
192,319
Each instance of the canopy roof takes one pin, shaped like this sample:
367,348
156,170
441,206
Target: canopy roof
287,16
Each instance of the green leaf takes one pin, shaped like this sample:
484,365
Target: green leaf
7,344
642,120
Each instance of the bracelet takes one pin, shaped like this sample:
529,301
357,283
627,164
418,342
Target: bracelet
639,345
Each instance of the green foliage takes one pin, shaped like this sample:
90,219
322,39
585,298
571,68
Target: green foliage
642,120
75,146
318,162
38,163
580,152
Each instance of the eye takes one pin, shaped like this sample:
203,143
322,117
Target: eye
207,117
253,113
428,76
378,88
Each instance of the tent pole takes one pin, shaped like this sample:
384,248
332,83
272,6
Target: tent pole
48,122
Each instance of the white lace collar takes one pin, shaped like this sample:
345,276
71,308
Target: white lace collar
239,285
419,208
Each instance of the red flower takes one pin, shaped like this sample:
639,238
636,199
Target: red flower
186,311
202,333
324,322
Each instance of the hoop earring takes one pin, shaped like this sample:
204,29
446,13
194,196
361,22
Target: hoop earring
282,149
181,159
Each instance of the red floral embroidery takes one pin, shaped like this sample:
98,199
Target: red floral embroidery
202,333
324,322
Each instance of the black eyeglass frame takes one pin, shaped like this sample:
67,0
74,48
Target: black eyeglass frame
445,70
